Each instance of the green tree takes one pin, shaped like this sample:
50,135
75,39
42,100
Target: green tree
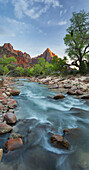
7,65
19,71
29,71
38,69
77,39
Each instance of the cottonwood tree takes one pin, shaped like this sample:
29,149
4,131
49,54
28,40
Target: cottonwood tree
77,39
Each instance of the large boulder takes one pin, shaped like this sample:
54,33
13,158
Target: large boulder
59,96
10,117
57,139
12,104
13,144
4,128
14,92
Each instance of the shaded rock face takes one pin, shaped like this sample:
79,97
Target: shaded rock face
24,59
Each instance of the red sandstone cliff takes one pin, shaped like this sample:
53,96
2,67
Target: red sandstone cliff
24,59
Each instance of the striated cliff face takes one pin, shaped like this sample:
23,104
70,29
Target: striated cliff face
24,59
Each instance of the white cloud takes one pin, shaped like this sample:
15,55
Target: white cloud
53,23
33,8
62,23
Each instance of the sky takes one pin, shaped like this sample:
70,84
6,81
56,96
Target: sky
34,25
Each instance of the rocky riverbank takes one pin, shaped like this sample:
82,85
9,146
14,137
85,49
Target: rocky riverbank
77,86
7,116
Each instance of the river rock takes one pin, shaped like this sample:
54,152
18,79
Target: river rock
71,92
15,135
1,107
79,92
1,154
86,80
85,96
13,144
59,96
10,117
67,86
4,128
68,131
57,139
12,104
14,92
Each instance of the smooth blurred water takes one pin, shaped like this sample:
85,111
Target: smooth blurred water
36,101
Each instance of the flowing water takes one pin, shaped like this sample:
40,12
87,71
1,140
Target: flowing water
36,103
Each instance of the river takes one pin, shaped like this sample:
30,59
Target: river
48,116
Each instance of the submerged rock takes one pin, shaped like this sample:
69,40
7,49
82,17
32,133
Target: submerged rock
4,128
57,139
13,144
15,135
59,96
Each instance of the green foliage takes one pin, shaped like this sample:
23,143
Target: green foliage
59,64
29,71
19,71
77,39
6,64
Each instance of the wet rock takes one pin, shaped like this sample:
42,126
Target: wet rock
4,128
71,92
79,92
13,144
15,135
10,117
12,104
67,86
1,154
68,131
14,92
57,139
59,96
85,96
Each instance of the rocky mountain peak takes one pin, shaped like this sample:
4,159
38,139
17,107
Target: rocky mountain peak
8,46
